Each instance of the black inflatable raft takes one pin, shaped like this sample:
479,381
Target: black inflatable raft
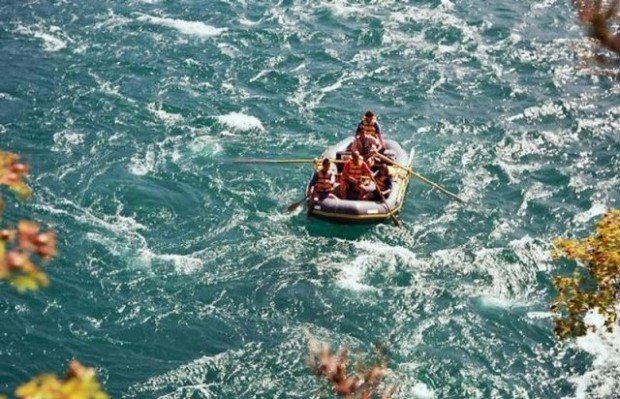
344,210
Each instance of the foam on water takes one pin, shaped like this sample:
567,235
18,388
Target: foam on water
489,99
378,256
205,145
601,380
422,391
168,118
141,164
191,28
239,121
597,209
183,264
53,38
66,140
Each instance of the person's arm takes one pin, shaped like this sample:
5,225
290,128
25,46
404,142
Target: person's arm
366,170
388,186
378,129
313,182
345,173
376,145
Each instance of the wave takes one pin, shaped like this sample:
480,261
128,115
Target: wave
66,140
190,28
168,118
240,122
53,38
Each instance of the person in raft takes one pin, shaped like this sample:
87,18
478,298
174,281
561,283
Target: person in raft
384,184
366,145
351,180
323,182
371,127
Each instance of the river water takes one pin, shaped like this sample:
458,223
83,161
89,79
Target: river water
181,276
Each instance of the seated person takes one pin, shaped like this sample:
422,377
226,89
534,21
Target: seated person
371,127
355,169
383,181
323,182
366,145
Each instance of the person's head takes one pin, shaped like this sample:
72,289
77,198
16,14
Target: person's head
368,116
355,155
383,169
326,164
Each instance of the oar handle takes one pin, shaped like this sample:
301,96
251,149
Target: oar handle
387,207
418,176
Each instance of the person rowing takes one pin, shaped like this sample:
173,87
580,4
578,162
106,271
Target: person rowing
323,182
366,145
370,127
355,169
383,180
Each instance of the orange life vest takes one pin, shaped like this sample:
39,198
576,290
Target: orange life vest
355,170
369,128
324,182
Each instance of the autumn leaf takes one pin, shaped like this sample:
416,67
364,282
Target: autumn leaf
599,290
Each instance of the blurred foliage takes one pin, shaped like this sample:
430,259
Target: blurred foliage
363,383
18,247
79,383
600,289
598,17
12,174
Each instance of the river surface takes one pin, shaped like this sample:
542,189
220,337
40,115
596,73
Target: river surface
180,275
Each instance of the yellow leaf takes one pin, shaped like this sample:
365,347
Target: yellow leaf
38,387
41,278
24,283
21,189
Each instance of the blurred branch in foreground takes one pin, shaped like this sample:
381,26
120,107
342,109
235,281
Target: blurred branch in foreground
598,19
333,367
600,289
18,246
79,383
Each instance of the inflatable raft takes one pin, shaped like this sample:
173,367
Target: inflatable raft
345,210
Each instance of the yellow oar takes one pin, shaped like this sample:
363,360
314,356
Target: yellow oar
283,161
252,160
418,176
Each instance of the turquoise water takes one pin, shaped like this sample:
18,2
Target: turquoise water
179,274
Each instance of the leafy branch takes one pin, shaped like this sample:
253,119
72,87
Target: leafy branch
597,19
20,246
598,290
363,383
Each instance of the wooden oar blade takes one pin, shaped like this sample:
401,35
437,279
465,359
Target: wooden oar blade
396,222
292,207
